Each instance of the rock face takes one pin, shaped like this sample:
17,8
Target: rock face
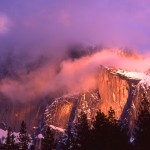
116,91
116,88
12,113
66,109
123,91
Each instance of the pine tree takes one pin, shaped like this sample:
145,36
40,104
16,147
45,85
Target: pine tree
8,140
48,140
23,138
2,146
32,147
68,139
117,133
111,117
99,131
10,143
82,133
142,131
108,134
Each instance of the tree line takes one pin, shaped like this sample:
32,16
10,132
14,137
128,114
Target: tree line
105,132
16,143
24,141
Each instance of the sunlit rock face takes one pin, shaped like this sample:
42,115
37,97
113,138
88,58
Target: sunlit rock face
142,91
66,109
58,113
121,90
116,91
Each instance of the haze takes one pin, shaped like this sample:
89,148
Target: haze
35,37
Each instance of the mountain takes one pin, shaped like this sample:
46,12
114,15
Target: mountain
119,89
13,113
116,88
64,110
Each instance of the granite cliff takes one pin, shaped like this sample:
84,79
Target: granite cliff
116,88
121,90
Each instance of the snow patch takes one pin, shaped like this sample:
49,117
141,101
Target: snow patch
3,135
40,136
133,75
57,128
144,78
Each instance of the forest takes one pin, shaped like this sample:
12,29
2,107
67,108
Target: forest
104,132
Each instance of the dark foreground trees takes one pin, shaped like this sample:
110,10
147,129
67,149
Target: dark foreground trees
109,133
23,138
48,140
82,133
77,136
142,130
106,133
10,143
16,143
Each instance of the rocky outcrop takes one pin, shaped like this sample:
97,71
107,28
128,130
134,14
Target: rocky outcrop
66,109
12,113
123,91
116,88
116,91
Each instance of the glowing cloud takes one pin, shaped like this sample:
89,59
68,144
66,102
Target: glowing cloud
3,24
68,75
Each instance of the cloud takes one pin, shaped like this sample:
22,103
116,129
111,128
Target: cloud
65,18
47,28
46,24
68,75
4,23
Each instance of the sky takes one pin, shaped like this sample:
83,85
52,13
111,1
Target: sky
49,25
35,36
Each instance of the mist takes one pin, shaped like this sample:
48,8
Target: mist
36,27
69,75
38,53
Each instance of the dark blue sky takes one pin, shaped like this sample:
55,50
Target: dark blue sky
38,25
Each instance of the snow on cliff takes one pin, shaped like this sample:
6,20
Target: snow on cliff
144,78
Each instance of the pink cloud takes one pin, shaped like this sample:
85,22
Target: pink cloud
4,22
73,75
64,18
